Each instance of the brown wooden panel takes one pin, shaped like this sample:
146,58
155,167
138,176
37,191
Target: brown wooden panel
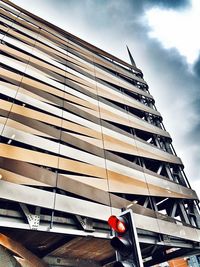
85,248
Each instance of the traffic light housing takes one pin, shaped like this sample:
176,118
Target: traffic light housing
125,240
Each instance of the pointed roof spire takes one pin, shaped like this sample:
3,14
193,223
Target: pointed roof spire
131,57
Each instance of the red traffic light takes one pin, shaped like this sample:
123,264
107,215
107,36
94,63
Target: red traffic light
117,224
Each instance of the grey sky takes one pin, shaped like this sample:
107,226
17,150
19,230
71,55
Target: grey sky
175,84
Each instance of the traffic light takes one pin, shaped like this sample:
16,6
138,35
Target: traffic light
125,240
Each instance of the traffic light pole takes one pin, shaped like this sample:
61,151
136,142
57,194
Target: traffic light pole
125,240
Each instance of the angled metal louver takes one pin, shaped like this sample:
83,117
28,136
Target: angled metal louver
80,140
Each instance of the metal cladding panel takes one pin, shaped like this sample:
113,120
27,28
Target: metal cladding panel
80,133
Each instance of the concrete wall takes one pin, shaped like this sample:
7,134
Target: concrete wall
6,258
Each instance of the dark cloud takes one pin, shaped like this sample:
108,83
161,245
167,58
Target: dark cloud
169,3
196,105
195,133
140,5
197,67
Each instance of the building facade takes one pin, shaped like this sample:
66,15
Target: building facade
81,139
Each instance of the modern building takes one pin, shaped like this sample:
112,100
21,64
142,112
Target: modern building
81,139
194,261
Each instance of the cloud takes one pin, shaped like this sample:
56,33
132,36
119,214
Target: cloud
175,29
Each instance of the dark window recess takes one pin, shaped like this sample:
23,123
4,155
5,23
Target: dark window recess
139,74
146,101
8,205
164,172
151,164
153,119
157,121
142,86
3,139
177,174
145,201
165,144
143,135
3,33
136,112
58,216
6,98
